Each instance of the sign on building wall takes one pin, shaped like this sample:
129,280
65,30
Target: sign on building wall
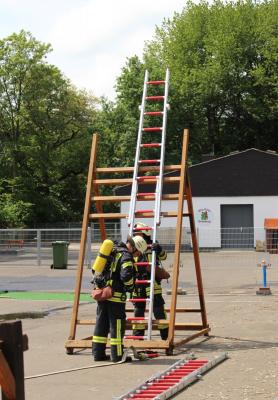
204,215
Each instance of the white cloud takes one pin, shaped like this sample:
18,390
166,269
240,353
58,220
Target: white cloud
93,24
91,39
102,34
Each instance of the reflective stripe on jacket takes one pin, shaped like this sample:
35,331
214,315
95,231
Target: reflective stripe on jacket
121,274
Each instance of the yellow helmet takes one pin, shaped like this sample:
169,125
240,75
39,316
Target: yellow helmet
138,243
140,225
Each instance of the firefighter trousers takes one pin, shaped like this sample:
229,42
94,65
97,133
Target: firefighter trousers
111,318
159,313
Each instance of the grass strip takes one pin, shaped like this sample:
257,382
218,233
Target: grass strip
25,295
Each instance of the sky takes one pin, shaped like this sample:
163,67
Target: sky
91,39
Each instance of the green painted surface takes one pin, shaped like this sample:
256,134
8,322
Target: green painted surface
44,296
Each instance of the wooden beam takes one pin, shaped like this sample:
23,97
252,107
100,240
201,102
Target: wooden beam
192,326
196,255
176,263
147,344
143,344
178,310
165,214
79,271
141,169
191,337
98,203
126,181
111,198
142,198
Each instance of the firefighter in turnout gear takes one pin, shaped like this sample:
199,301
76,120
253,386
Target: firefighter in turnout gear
119,274
143,291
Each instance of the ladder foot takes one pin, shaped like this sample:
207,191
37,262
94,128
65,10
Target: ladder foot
169,351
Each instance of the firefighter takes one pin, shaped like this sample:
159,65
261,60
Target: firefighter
143,291
119,273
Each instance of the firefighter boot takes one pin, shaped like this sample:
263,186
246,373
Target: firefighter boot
98,351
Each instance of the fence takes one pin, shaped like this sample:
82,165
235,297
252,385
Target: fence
34,246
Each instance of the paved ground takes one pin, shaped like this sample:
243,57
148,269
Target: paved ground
243,324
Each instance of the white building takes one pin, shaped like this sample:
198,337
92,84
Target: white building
232,196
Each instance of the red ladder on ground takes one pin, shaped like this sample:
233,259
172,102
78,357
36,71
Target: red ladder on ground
173,379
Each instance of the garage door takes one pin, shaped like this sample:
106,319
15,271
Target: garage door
237,226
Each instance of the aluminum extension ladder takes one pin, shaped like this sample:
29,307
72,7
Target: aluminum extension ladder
174,379
135,195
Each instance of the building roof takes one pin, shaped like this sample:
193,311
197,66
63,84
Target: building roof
271,223
250,172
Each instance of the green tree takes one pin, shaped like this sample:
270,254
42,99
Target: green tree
223,63
44,132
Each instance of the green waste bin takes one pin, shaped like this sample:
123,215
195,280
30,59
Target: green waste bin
60,254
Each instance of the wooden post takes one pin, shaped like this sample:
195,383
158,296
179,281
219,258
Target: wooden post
195,247
176,263
83,239
11,360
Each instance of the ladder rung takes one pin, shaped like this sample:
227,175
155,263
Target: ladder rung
146,197
135,337
142,263
146,177
150,145
139,300
153,129
153,98
155,82
142,228
153,113
149,161
145,194
137,319
149,394
142,282
143,211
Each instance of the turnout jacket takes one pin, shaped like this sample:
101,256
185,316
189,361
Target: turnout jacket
145,273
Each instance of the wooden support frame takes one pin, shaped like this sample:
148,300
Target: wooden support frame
184,194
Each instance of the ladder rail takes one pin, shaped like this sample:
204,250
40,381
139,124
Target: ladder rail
153,266
162,155
136,161
157,210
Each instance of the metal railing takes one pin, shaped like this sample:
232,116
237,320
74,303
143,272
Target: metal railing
34,246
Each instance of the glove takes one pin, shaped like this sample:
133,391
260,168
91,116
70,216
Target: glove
99,281
156,247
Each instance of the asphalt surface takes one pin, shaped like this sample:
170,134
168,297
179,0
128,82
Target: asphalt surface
242,323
